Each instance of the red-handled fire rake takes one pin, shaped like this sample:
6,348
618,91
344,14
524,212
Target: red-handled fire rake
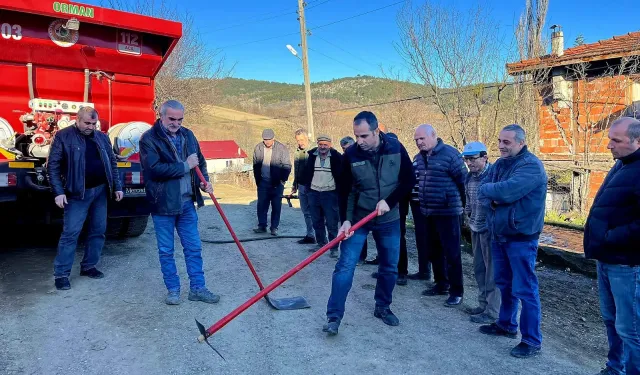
206,333
292,303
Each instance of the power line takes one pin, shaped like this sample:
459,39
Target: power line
259,40
346,51
357,15
336,60
251,21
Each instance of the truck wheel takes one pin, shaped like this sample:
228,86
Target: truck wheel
126,227
134,226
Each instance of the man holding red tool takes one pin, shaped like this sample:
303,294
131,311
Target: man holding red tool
379,172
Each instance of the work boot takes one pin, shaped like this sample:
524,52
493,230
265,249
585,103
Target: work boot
173,297
453,301
474,310
63,283
92,273
386,315
333,253
260,230
482,318
274,231
494,330
402,280
203,295
307,240
436,290
524,350
331,327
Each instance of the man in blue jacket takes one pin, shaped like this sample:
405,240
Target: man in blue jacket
169,152
514,193
611,236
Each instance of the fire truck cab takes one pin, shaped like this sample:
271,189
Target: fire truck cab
58,56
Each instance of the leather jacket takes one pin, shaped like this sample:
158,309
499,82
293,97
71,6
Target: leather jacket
162,170
66,163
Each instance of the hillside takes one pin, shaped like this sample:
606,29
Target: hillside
353,90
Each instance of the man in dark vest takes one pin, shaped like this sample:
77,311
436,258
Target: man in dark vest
611,236
441,175
379,172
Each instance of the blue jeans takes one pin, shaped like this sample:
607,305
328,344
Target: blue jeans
514,268
186,224
269,196
303,195
325,212
619,288
94,208
387,237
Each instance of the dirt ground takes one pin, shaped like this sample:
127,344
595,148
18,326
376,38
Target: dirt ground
120,325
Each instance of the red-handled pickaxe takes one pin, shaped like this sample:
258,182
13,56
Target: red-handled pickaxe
205,334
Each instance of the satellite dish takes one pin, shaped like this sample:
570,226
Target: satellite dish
292,50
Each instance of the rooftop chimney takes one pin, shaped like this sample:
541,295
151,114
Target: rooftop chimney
557,41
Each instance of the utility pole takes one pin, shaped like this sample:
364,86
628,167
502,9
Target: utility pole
305,67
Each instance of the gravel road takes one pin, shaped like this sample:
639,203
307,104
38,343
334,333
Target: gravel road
120,325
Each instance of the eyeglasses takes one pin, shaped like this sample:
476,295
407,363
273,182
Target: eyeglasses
470,158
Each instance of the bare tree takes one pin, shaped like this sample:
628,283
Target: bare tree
455,55
192,70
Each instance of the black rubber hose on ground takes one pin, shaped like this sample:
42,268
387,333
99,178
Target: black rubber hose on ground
250,239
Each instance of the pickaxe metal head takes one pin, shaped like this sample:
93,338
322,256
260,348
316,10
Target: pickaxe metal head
203,337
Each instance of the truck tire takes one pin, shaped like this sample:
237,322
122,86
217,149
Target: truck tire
126,227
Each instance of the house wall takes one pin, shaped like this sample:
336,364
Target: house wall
594,103
219,165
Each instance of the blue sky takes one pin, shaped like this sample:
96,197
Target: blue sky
368,39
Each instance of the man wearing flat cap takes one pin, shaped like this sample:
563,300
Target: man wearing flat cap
271,169
322,179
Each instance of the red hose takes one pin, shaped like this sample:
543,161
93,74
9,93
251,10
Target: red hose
232,315
233,234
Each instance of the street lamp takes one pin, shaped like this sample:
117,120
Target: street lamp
307,86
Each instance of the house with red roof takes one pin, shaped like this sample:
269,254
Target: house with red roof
223,156
579,92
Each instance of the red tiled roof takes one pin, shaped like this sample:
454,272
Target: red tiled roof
221,150
618,46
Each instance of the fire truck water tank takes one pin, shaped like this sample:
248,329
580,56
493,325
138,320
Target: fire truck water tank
6,134
125,137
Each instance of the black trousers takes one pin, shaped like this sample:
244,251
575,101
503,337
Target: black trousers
442,239
424,263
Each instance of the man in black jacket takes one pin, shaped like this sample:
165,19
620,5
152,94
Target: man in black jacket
84,158
322,180
271,169
169,152
611,236
441,174
378,172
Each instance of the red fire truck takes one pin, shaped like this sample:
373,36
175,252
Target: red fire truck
57,56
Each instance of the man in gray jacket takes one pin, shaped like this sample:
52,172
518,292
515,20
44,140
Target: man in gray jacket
475,155
271,169
514,191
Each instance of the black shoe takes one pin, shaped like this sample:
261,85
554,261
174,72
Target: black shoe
331,328
307,240
274,231
374,275
333,253
494,330
402,280
386,315
373,261
419,276
92,273
453,301
63,283
524,350
260,230
436,290
607,371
